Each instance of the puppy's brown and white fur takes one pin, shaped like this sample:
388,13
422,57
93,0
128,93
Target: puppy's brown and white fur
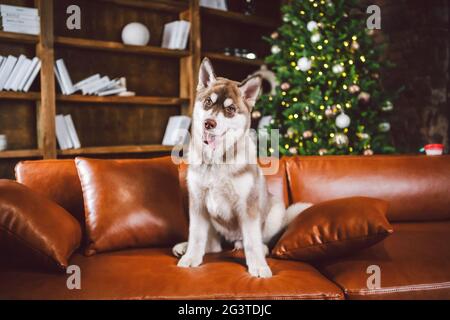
228,196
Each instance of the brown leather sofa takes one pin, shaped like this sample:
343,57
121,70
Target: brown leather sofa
414,261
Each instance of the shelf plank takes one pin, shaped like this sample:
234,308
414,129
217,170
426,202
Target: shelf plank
116,150
166,6
31,153
18,37
123,100
20,95
118,47
233,59
240,18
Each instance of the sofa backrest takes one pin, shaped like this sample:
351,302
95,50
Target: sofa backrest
416,187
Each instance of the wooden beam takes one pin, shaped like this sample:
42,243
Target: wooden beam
46,108
189,65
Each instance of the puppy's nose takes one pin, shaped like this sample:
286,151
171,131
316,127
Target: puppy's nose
210,124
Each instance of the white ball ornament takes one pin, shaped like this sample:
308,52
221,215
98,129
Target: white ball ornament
304,64
311,26
135,34
342,121
315,37
337,68
275,49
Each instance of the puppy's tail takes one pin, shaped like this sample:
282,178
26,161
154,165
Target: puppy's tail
279,218
294,210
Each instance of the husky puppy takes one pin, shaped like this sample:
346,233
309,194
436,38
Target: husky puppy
228,196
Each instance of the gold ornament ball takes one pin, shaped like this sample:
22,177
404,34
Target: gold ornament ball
256,114
340,140
322,151
307,134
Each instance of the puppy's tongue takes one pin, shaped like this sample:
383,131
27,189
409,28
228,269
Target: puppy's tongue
209,139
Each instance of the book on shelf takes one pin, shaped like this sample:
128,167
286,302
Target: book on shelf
176,131
66,134
18,74
214,4
92,85
176,34
19,19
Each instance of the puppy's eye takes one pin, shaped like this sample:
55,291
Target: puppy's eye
208,103
230,109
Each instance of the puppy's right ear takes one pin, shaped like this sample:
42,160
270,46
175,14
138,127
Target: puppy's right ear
206,75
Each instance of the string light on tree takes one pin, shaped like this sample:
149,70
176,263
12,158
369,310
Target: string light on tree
329,100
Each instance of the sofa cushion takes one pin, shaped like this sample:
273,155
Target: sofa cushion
153,274
414,263
131,203
334,228
416,187
35,230
57,180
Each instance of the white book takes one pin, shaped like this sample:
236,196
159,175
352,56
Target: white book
264,122
58,78
27,74
6,70
20,74
97,86
82,83
72,132
62,133
65,77
10,15
14,72
176,131
85,89
112,91
221,5
2,63
208,4
185,27
19,22
169,34
33,75
21,29
18,10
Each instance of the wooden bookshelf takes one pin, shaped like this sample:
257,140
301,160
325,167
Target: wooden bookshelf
232,59
11,154
164,80
116,150
162,101
20,95
240,18
118,47
18,37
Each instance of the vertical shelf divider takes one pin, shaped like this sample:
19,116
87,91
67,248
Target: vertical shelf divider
46,107
189,65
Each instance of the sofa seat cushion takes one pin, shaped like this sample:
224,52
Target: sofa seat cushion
414,264
153,274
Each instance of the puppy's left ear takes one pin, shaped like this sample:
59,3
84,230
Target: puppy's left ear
250,89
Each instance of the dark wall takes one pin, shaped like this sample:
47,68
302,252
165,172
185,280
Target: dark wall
417,34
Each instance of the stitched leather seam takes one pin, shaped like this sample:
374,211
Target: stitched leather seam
417,287
239,297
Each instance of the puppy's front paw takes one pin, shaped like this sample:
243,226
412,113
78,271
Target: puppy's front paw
260,271
179,249
190,261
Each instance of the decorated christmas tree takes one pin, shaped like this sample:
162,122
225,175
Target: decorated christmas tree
329,97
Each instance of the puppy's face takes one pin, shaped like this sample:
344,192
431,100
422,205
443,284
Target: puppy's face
223,107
